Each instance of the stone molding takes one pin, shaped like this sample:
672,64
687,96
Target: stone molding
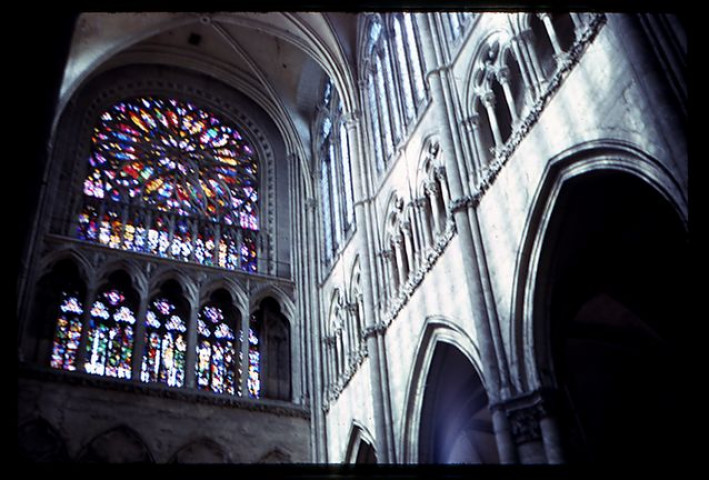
184,394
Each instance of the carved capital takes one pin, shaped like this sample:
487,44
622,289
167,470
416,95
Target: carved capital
473,122
431,188
311,203
525,423
434,148
488,100
525,413
440,172
351,119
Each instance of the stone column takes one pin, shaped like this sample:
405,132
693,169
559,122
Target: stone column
504,77
329,363
81,353
340,353
139,334
192,339
379,381
489,102
425,225
578,24
480,156
551,437
506,447
473,268
351,336
393,280
527,434
242,363
415,235
310,249
445,195
408,246
401,271
523,63
431,190
528,43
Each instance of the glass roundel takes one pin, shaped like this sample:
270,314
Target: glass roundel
170,167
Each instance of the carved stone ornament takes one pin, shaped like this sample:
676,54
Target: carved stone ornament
525,423
434,148
502,153
460,204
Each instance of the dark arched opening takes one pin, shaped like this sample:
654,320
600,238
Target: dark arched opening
119,445
39,442
456,425
365,454
55,291
613,287
273,330
502,111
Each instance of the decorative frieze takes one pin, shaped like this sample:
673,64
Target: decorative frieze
407,290
333,391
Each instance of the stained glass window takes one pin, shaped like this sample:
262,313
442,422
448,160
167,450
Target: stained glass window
402,62
325,200
162,174
68,332
346,176
165,344
254,380
215,351
109,347
376,127
413,48
393,100
335,176
383,107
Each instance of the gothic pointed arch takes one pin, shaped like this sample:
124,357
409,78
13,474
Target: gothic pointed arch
110,331
166,336
421,442
273,352
52,336
589,327
39,442
120,444
218,344
201,451
604,154
228,144
360,445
